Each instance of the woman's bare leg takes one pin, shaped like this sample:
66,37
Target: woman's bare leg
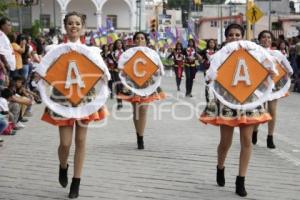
140,117
65,133
226,133
246,148
80,142
272,105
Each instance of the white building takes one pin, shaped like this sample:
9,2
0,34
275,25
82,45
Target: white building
277,17
126,15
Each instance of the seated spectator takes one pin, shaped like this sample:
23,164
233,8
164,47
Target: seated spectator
3,125
34,78
18,105
6,117
1,141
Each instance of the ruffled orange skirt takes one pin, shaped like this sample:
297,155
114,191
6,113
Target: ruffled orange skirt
217,114
234,122
58,121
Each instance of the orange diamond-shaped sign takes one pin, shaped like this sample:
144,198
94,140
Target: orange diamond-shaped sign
281,73
241,74
73,75
140,68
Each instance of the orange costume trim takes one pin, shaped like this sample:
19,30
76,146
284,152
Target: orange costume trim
140,99
97,116
234,122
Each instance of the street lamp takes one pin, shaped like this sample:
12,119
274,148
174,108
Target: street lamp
164,7
270,9
139,8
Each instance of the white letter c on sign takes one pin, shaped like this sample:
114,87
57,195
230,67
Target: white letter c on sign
135,70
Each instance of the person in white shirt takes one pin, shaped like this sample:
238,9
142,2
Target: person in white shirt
5,47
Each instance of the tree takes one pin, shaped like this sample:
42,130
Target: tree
4,5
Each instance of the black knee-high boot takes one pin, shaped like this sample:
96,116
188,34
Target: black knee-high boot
240,186
254,137
220,176
74,189
270,143
63,176
140,141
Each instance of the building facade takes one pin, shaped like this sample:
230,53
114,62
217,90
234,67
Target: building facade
126,15
278,17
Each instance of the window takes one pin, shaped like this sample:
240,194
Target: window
277,26
226,23
113,19
213,23
45,21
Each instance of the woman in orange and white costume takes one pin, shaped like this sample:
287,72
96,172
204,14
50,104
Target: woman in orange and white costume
74,24
218,114
280,89
140,102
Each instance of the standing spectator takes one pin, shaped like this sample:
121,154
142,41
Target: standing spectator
190,66
206,56
19,49
5,46
25,58
178,55
297,55
283,48
118,49
293,56
40,45
7,58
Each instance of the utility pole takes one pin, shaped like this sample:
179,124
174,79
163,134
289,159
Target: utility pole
41,13
270,12
140,17
54,14
221,22
248,25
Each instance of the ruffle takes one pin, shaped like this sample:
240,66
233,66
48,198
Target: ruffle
234,122
283,90
56,121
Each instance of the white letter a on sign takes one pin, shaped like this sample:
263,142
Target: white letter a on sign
244,76
77,80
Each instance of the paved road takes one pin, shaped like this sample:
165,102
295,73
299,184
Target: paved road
178,162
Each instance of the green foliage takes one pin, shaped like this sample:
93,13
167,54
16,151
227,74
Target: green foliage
36,28
4,5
